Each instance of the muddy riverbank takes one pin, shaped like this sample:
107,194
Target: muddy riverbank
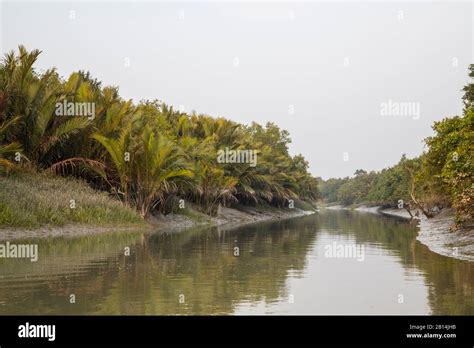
435,232
165,223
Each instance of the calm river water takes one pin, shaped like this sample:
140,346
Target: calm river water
282,267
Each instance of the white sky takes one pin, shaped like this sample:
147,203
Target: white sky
290,55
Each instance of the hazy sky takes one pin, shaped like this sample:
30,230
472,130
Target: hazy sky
320,70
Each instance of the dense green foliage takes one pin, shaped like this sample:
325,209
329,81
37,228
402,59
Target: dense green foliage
447,170
148,154
386,187
441,177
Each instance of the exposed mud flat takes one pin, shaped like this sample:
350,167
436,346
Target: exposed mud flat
435,233
229,217
164,223
366,209
70,230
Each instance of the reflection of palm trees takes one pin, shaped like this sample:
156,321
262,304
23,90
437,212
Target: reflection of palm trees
84,266
212,279
200,264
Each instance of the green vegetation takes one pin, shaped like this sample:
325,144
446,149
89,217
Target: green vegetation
147,155
386,187
441,177
31,200
446,171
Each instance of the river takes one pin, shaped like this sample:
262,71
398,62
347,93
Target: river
290,267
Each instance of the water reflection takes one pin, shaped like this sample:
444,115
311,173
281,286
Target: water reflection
281,268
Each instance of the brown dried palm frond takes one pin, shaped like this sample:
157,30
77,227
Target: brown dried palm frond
77,165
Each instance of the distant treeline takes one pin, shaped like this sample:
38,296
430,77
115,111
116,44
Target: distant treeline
147,154
441,177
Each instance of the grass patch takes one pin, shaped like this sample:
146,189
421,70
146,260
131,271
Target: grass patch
32,200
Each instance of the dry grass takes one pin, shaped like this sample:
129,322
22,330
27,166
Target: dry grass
32,200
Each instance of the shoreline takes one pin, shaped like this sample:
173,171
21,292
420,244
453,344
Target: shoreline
436,235
228,217
433,233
